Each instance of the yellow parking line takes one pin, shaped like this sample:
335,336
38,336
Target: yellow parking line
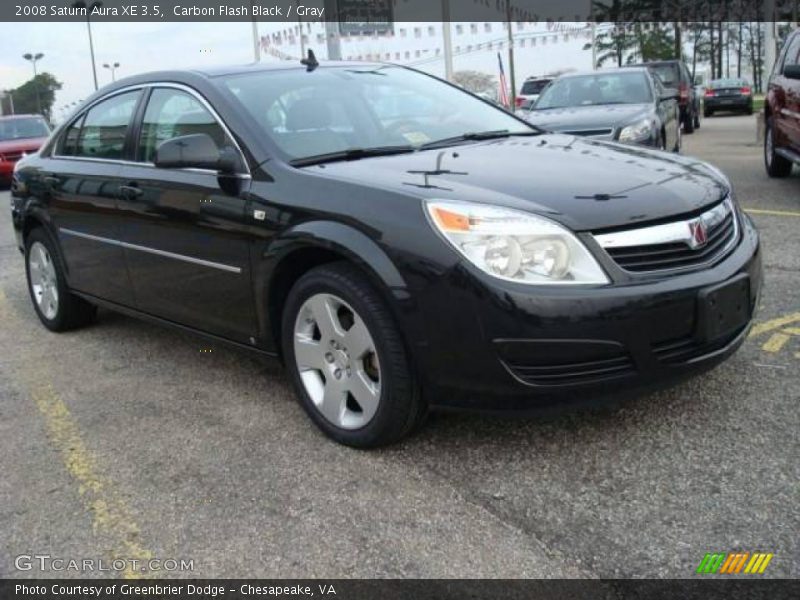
777,213
774,324
775,342
110,515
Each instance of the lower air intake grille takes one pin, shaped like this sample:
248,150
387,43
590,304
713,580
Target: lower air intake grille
584,372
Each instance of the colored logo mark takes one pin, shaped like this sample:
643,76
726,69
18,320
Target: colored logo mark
734,563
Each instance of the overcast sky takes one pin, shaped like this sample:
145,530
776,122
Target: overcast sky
138,47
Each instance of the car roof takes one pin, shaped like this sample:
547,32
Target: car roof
631,68
191,76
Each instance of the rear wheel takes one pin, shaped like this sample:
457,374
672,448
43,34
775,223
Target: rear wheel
58,309
697,119
708,112
347,360
777,165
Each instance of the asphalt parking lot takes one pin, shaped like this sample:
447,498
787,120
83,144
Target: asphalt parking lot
127,440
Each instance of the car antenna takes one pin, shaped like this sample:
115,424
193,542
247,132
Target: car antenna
311,61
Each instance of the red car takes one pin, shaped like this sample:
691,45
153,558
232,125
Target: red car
782,111
19,135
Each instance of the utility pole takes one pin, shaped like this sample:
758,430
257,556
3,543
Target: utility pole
256,40
770,47
594,45
447,41
89,8
302,43
512,77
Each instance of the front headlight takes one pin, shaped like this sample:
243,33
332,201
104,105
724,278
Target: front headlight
641,130
514,245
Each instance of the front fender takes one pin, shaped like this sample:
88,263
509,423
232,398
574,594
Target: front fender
271,262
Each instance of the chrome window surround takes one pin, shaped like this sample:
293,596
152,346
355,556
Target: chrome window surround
144,86
676,231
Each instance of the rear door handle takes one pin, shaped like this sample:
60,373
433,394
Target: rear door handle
131,191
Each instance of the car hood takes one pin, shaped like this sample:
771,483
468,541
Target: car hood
22,145
584,184
588,117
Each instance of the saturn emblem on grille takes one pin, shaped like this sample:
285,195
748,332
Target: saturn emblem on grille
697,234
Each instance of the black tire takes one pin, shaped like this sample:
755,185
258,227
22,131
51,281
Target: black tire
400,406
688,124
776,165
697,120
72,312
707,112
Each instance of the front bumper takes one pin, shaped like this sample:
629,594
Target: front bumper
505,347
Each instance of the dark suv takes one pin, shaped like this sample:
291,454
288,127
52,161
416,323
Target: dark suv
782,111
674,74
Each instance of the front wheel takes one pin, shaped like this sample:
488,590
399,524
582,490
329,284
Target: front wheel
57,308
777,165
347,360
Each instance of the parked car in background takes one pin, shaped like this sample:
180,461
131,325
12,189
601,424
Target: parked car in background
531,89
675,74
19,135
782,111
731,94
624,105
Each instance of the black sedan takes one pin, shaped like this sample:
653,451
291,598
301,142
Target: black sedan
627,105
734,95
457,259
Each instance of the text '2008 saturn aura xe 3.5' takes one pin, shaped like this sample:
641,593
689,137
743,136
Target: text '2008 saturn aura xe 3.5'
401,245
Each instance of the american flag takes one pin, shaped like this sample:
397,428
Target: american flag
503,84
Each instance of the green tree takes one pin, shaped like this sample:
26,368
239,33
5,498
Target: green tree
25,96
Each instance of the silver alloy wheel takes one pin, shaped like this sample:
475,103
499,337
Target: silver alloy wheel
768,147
43,280
337,360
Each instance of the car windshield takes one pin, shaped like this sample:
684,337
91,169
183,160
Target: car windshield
728,83
668,74
603,88
21,128
339,109
534,87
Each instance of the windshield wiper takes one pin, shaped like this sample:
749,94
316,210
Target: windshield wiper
475,136
350,154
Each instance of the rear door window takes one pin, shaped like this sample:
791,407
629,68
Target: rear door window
106,127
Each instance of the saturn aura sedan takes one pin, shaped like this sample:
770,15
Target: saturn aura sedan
626,105
396,258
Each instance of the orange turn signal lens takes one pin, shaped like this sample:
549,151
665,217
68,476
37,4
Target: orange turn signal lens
449,220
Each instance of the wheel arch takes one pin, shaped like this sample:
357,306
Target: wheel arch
313,244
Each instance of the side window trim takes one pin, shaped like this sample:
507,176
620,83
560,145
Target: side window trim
59,146
136,122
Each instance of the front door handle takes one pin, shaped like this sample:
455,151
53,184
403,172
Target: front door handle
129,192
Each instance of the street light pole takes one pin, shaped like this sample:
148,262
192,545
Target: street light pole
447,41
113,67
33,58
89,8
512,76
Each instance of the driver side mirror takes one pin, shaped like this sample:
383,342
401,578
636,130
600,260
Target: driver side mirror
791,71
196,151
